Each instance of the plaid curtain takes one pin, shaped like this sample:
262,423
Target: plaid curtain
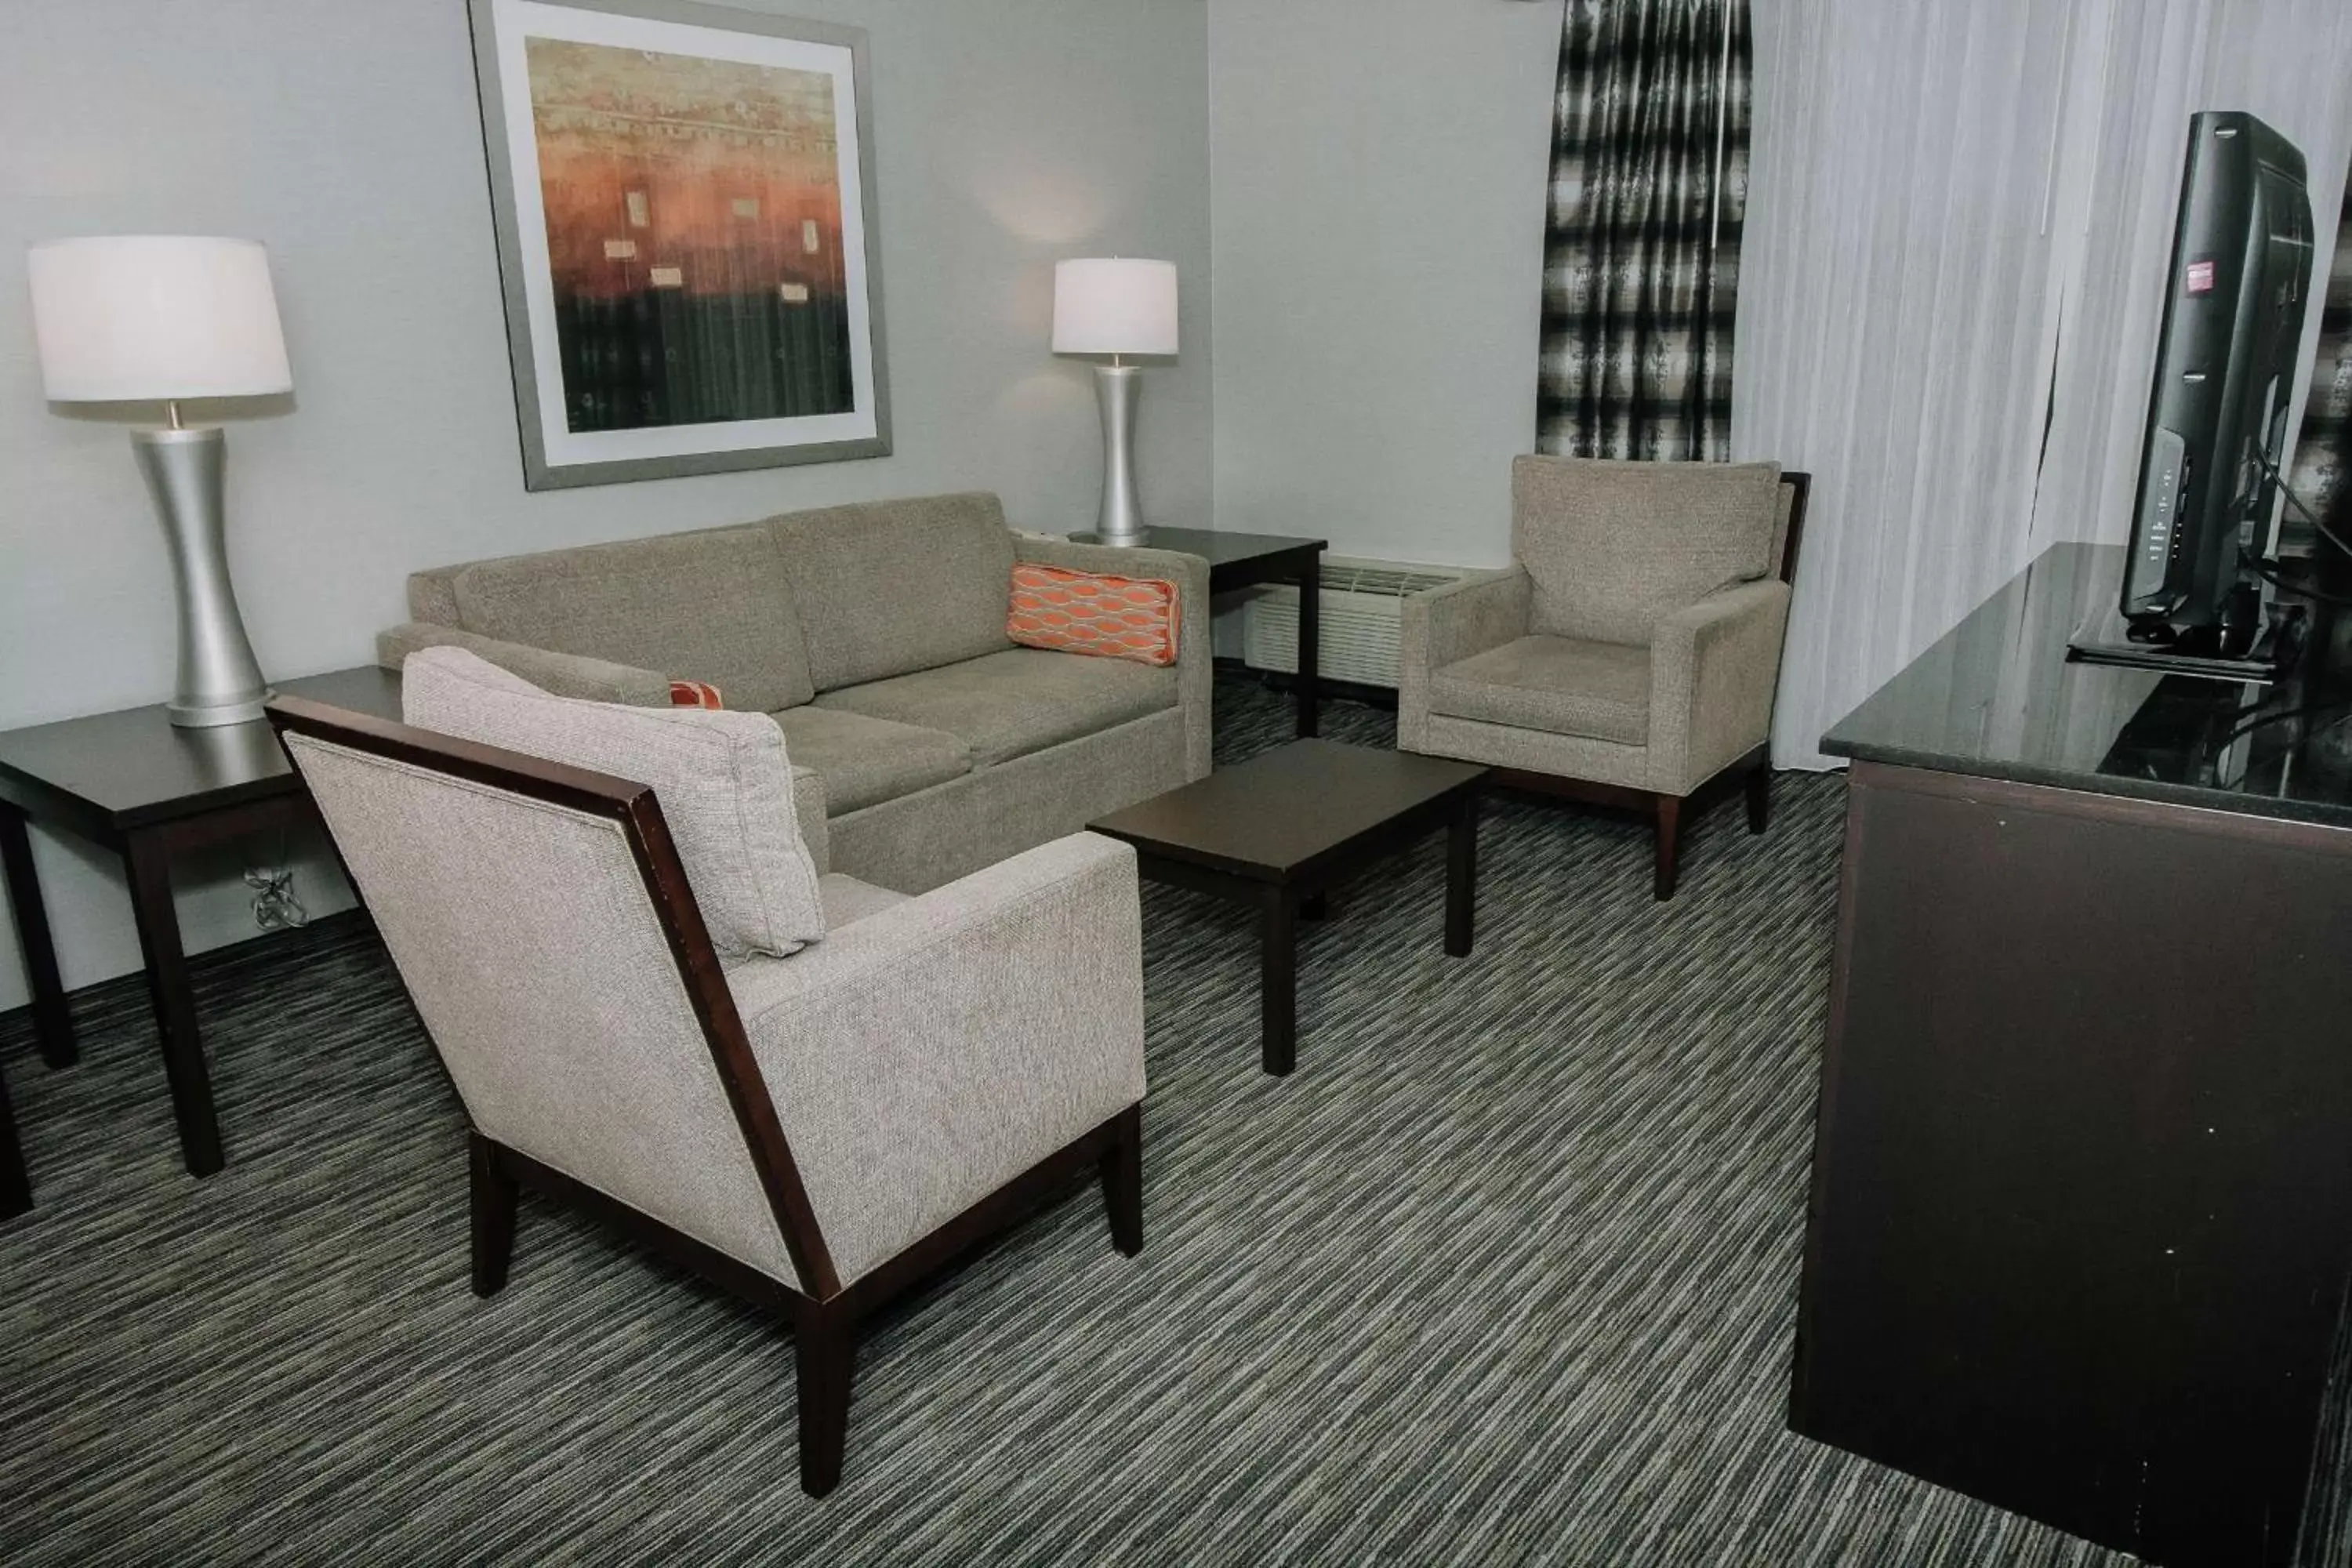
1641,260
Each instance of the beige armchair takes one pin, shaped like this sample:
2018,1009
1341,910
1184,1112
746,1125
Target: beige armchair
816,1132
1630,654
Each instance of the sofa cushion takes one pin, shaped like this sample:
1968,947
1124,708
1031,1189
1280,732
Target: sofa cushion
714,605
1614,546
1563,686
1009,704
891,587
863,761
722,780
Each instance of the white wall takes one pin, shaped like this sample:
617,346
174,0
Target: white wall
1378,183
1009,133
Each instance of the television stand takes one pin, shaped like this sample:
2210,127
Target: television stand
2102,640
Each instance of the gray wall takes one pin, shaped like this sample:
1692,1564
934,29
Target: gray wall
1009,133
1379,170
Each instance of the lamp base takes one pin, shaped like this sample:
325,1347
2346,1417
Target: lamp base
215,717
220,681
1120,518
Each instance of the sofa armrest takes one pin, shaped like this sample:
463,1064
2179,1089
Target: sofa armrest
1195,655
563,674
1482,611
923,1056
1714,668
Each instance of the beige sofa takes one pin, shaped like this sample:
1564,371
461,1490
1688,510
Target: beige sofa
924,744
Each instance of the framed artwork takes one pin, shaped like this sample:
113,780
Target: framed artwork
684,198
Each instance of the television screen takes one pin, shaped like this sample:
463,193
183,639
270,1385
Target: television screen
2225,365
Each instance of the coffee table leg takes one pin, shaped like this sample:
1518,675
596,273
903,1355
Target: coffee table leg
175,1003
1278,979
1462,874
52,1022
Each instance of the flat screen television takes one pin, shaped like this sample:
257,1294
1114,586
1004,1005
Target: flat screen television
2225,368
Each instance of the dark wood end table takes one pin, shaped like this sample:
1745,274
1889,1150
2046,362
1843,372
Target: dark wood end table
132,782
16,1180
1246,560
1278,832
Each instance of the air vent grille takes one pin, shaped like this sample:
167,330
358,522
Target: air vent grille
1359,625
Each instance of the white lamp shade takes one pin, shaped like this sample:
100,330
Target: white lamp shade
146,317
1104,306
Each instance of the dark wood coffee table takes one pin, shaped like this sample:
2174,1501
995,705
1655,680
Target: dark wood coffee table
1278,832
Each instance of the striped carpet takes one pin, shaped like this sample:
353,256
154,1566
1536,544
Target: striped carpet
1506,1272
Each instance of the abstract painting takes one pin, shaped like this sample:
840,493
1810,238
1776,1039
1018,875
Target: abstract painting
684,203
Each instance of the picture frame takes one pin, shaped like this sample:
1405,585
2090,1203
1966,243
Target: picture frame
684,200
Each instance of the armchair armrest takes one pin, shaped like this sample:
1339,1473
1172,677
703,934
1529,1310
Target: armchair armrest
1195,655
923,1056
1483,610
565,673
1714,667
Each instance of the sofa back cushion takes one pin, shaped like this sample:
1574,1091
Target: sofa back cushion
891,587
1614,546
723,782
713,605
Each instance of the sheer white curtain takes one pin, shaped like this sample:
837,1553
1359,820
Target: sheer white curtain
1891,318
1958,221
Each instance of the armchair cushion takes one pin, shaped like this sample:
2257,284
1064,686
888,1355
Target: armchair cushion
1008,704
1614,546
865,760
933,1050
724,785
1563,686
848,900
562,674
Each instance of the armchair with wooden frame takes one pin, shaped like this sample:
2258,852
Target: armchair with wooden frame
1628,655
816,1132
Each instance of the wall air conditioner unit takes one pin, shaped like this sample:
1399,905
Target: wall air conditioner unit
1360,602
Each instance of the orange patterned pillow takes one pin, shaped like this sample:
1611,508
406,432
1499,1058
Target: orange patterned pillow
694,694
1091,612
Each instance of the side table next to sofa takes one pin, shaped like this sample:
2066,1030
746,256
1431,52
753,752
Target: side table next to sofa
1246,560
132,782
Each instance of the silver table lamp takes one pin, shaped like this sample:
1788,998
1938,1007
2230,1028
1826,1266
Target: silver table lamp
1118,307
168,317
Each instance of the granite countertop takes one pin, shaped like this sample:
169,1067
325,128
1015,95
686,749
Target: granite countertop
1997,698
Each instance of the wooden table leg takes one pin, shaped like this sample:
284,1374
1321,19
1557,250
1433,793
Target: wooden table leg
15,1181
52,1021
175,1002
1310,644
1278,979
1462,874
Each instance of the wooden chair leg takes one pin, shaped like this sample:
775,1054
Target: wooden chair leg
1122,1182
1760,797
1669,846
494,1195
825,1336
